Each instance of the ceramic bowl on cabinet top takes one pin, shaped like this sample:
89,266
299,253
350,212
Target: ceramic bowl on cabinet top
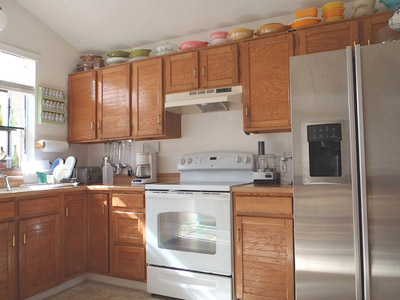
271,28
304,22
332,5
118,54
391,4
217,35
167,47
139,53
308,12
190,45
240,34
217,42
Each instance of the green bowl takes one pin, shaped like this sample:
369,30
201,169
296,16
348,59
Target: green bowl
118,54
139,52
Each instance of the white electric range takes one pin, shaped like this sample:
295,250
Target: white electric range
189,227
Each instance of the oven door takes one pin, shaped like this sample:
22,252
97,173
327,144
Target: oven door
189,230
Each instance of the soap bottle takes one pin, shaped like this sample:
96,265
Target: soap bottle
107,173
15,158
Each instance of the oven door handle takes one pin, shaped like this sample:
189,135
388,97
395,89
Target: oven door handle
170,194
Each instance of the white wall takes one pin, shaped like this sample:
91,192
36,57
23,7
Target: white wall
57,60
217,131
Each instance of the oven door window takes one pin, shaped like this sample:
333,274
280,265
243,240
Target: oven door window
185,231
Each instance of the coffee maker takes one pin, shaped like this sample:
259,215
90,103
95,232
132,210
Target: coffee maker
146,168
265,171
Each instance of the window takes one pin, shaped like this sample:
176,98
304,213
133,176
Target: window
17,81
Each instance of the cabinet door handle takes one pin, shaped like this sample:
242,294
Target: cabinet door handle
91,125
98,125
13,240
238,235
24,239
247,111
104,209
67,211
159,119
369,42
194,72
203,70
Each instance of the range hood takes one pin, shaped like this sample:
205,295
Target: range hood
209,100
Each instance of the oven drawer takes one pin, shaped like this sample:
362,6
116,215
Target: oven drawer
263,205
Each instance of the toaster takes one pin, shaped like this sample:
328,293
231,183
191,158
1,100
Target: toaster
88,175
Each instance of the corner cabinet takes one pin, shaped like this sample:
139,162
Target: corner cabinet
266,83
113,103
82,106
264,263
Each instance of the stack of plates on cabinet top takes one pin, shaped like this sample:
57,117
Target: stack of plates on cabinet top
219,38
137,54
166,48
117,57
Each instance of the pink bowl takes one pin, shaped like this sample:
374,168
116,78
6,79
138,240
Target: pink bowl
219,35
190,45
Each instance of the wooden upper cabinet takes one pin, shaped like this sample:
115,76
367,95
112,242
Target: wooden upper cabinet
219,66
181,72
97,241
113,111
8,251
147,98
82,106
39,248
266,83
371,26
74,235
264,258
326,37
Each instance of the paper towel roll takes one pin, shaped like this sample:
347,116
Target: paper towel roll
53,146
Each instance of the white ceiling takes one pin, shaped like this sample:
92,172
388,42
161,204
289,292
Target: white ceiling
98,26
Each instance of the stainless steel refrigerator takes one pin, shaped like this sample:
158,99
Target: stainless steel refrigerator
346,160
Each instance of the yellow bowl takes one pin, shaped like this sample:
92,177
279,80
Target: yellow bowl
304,22
333,12
271,28
333,19
240,34
308,12
332,5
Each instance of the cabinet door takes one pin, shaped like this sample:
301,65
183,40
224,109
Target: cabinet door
147,98
266,83
82,106
39,248
127,245
326,37
97,244
8,251
264,258
372,25
219,66
181,72
113,112
74,235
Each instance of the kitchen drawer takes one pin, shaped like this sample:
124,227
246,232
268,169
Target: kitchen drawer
263,205
7,210
128,201
39,206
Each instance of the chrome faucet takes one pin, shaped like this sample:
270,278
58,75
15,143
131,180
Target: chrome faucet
7,181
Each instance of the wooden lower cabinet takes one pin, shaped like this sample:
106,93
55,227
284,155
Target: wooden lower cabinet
39,254
127,237
97,230
264,258
8,254
74,238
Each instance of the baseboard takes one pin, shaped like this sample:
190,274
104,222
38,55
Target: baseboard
59,288
136,285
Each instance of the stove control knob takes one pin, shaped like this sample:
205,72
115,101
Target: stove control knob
247,160
183,161
190,160
238,159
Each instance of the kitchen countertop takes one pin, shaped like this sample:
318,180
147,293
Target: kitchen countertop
283,190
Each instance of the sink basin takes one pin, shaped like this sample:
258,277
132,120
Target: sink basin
37,187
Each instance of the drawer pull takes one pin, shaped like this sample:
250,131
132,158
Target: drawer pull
194,72
203,70
67,211
13,240
24,238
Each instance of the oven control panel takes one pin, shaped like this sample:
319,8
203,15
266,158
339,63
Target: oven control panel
216,161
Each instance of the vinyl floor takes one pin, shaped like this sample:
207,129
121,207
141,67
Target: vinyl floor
90,290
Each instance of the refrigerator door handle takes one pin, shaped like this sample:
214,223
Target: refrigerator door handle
354,176
362,171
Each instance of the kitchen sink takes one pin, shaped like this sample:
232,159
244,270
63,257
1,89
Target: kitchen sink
37,187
